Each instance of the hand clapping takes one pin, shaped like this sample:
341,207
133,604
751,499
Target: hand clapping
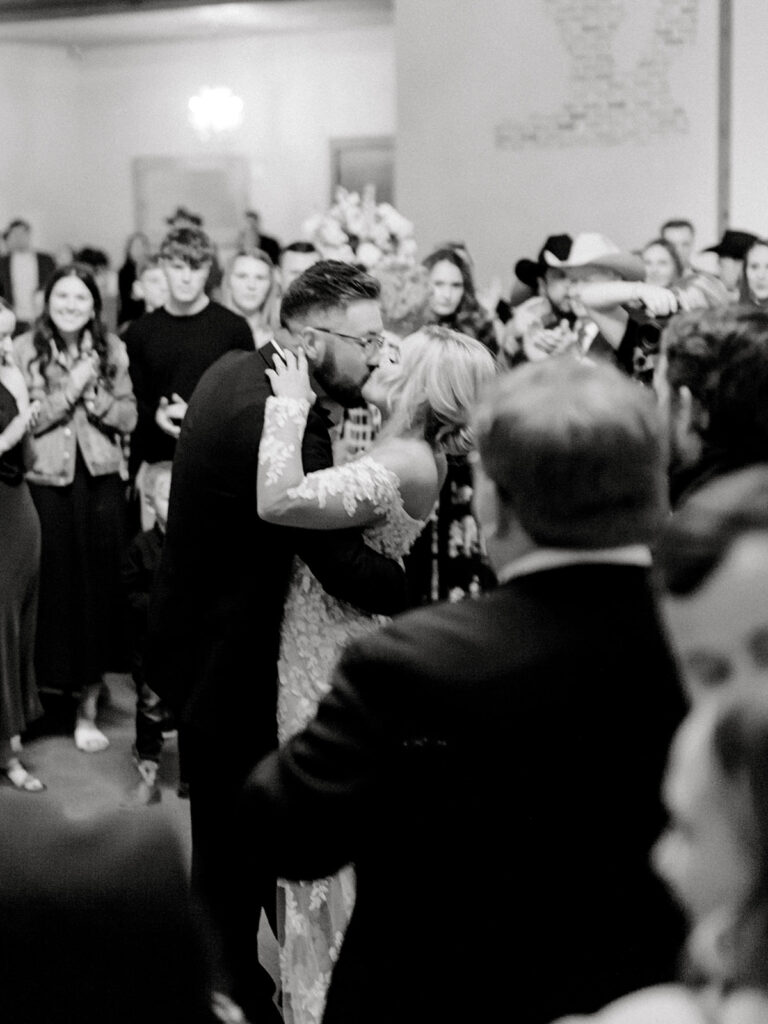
169,415
290,377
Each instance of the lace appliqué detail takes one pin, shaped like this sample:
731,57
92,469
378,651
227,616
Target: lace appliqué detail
364,479
315,628
274,450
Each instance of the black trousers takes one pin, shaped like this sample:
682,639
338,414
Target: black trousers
226,878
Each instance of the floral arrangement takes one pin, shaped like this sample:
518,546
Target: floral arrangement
357,229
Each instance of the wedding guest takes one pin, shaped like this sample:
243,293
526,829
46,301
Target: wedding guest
137,249
105,901
140,565
184,218
252,237
712,560
64,255
730,252
447,561
19,568
713,856
23,273
78,373
554,695
754,284
294,260
170,349
96,261
632,314
711,381
216,611
543,311
150,288
680,233
593,259
250,288
452,300
663,265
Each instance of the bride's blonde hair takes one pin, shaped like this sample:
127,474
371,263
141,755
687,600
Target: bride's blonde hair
442,374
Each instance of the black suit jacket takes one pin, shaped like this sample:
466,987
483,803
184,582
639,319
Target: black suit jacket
45,267
493,769
216,607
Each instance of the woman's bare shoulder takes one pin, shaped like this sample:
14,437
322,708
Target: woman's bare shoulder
413,462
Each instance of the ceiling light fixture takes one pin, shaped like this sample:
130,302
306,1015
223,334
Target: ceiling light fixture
214,111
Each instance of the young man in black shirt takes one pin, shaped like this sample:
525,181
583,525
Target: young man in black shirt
170,349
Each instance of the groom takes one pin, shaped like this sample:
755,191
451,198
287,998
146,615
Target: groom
216,612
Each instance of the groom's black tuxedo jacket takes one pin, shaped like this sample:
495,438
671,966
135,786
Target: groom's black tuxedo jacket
493,770
217,604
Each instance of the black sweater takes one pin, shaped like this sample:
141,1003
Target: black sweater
168,355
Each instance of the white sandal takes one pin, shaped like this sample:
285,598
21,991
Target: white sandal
89,738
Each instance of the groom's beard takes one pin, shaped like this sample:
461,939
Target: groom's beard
339,387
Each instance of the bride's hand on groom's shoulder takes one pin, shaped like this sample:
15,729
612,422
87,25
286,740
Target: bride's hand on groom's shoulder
290,376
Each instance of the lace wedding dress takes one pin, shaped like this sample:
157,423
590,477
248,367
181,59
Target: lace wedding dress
315,628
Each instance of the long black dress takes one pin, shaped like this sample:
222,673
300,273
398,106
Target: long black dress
19,574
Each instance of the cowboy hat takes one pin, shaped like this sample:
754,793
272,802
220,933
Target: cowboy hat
529,271
733,244
591,249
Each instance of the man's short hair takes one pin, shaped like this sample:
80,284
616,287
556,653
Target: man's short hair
721,356
327,284
701,533
19,222
676,222
575,452
192,245
303,247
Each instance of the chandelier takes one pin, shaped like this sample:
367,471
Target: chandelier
214,111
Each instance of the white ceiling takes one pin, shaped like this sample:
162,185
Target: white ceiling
195,20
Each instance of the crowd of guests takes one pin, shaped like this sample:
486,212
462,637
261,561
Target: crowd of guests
547,767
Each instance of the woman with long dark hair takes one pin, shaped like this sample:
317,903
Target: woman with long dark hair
453,302
446,562
78,373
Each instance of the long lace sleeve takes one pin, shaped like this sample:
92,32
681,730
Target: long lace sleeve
356,494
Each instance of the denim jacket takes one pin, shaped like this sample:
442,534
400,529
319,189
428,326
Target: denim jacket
59,427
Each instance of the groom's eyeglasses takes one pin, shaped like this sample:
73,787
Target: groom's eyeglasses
370,343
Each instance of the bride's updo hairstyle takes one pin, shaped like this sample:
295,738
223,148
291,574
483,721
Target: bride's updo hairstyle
441,376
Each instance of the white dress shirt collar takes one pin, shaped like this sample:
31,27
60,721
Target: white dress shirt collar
543,559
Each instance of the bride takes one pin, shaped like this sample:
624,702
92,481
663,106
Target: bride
426,401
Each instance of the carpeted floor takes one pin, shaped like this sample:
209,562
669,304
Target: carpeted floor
87,784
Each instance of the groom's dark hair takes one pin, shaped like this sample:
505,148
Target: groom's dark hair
327,284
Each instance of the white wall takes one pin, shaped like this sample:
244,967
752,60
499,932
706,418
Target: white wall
447,76
749,125
39,132
300,90
473,76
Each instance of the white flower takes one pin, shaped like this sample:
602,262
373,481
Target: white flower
407,247
331,232
355,221
378,230
338,252
368,254
311,225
